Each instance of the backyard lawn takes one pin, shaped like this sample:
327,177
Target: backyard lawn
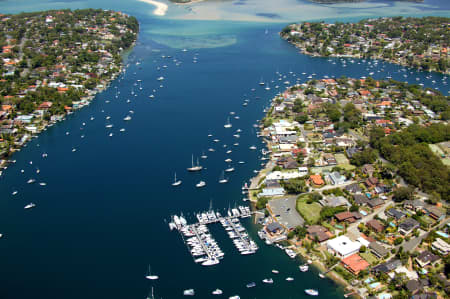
310,212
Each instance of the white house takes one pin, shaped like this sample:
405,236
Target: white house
342,246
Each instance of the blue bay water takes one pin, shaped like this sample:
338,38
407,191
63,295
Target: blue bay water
101,219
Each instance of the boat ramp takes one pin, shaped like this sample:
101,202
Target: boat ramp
202,246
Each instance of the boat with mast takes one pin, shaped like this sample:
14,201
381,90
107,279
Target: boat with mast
228,124
222,179
150,276
194,168
175,182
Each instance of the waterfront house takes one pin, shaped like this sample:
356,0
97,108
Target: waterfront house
342,246
355,264
319,233
407,226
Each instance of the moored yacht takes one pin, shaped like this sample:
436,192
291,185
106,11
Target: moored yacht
222,179
189,292
312,292
268,280
217,292
29,206
175,182
200,184
150,276
194,168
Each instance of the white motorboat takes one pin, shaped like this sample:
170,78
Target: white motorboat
126,118
275,271
217,292
189,292
303,268
210,262
228,160
229,169
14,192
289,279
200,184
251,284
234,297
268,280
312,292
31,181
29,206
175,181
160,78
43,184
122,130
321,275
252,147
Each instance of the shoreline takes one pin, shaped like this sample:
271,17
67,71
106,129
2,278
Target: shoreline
347,288
161,8
85,100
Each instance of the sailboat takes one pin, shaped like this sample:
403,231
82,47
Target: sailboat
196,167
222,179
175,182
150,276
228,124
261,82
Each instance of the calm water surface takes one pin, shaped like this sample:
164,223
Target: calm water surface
101,219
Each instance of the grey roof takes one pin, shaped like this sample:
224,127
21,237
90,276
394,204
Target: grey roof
428,257
395,213
375,202
360,199
409,224
379,249
353,188
387,266
274,226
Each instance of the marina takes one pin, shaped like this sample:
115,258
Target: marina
202,246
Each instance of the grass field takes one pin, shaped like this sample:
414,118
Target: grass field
369,257
343,162
310,212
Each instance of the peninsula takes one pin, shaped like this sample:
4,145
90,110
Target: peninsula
415,42
54,62
358,183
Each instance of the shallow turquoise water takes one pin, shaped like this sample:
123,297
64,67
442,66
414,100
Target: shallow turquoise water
101,218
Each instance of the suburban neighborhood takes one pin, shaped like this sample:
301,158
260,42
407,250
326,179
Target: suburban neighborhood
53,63
334,192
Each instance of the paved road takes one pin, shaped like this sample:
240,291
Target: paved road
410,245
352,229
